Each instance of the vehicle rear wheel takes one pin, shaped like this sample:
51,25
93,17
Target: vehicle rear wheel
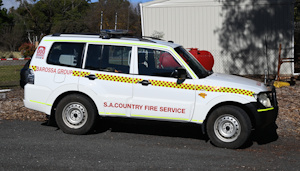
229,127
76,114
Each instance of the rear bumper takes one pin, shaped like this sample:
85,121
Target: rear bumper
35,98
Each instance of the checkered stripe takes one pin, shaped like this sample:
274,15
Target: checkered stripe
172,85
165,83
168,84
83,74
224,90
33,67
76,73
187,86
136,80
123,79
114,78
162,83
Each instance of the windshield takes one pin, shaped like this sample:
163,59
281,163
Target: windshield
193,63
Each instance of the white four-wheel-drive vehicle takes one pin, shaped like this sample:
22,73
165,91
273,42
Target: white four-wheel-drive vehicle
76,78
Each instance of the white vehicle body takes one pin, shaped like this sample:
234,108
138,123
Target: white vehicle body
132,94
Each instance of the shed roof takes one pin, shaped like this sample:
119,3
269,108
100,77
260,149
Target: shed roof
183,3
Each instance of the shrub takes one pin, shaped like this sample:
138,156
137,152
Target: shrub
27,49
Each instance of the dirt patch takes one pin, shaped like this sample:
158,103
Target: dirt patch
6,54
12,108
289,110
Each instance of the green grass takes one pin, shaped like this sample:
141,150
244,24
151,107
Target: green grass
10,75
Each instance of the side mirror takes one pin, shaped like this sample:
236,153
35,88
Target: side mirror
180,73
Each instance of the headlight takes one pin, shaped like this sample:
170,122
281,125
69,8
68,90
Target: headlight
264,100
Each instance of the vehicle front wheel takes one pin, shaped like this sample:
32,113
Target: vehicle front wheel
229,127
75,114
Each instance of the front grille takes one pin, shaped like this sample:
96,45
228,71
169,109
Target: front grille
272,96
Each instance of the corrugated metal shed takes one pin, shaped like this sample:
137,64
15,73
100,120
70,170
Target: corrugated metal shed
242,35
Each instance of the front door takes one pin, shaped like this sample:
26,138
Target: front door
157,92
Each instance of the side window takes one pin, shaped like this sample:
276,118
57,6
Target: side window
108,58
93,58
156,62
66,54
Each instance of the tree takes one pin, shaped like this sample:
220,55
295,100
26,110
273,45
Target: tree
127,16
50,16
10,33
43,17
297,11
5,18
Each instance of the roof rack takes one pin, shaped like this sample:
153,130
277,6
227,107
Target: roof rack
105,34
115,32
109,33
155,38
89,34
151,37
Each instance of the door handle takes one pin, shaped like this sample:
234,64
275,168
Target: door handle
145,82
91,77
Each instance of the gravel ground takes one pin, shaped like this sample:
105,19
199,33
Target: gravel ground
12,108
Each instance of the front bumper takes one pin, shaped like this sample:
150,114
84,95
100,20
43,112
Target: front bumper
262,116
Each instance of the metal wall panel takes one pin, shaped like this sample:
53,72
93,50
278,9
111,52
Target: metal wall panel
242,36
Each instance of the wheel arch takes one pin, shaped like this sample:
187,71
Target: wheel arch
61,96
229,103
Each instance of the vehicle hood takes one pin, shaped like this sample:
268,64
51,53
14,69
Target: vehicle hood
232,81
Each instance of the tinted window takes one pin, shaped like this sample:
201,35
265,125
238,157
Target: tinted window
66,54
108,58
156,62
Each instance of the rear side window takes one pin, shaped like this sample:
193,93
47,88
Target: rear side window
108,58
66,54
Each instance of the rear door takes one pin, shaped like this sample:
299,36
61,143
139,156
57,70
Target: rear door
106,78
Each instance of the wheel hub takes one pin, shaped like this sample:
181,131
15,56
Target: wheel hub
74,115
227,128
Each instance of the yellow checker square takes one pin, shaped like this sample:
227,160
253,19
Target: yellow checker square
188,86
102,77
153,82
123,79
76,73
136,80
181,86
115,78
119,79
34,68
99,76
159,84
167,84
109,78
105,77
126,79
83,74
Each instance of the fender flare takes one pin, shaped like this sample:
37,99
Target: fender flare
231,99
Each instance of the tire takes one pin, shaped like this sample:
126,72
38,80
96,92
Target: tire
76,114
229,127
